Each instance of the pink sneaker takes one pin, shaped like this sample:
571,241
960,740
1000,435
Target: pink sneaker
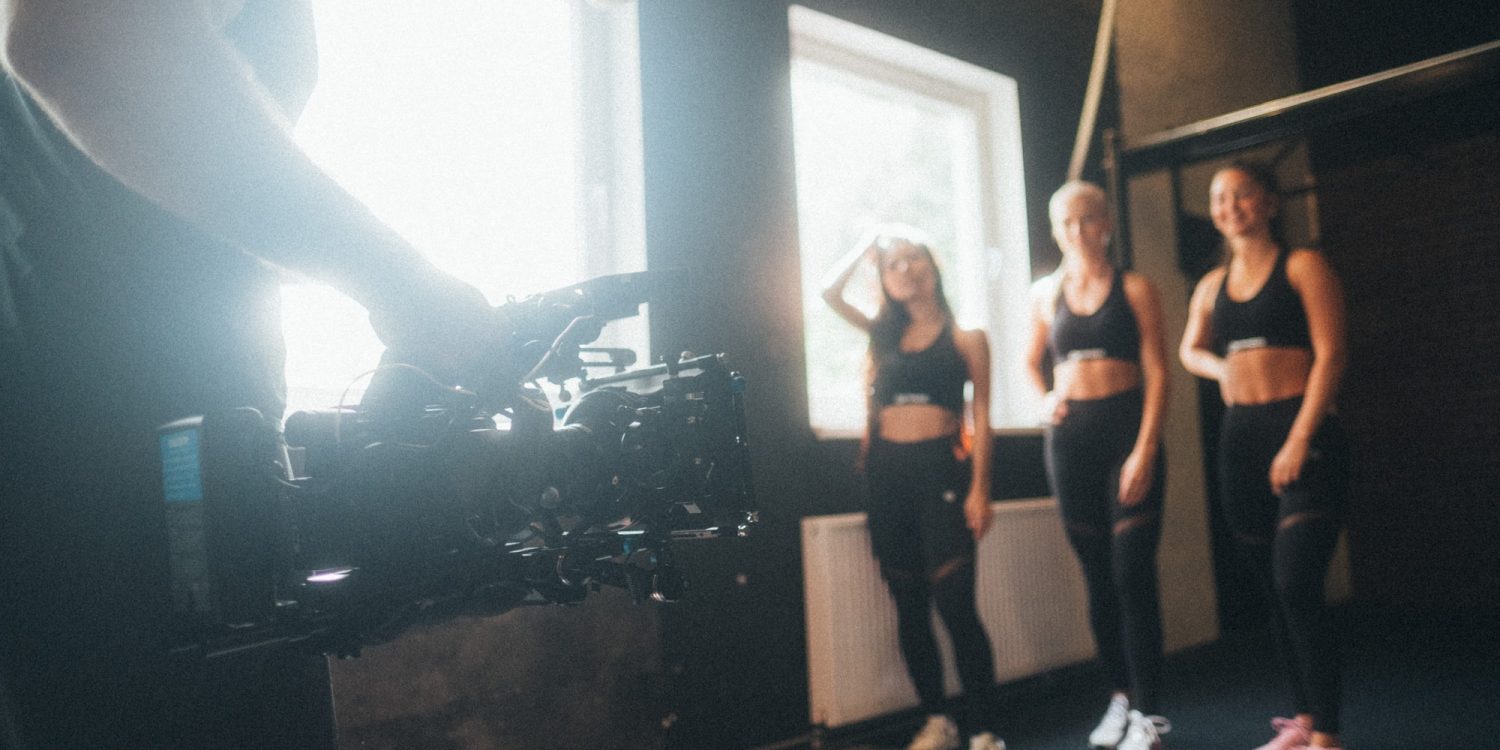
1291,734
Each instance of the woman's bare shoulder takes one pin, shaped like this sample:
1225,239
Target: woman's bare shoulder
969,338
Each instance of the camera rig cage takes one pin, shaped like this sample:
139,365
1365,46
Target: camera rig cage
418,505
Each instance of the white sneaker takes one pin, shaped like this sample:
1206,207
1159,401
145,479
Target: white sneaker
1145,732
1112,727
986,741
939,733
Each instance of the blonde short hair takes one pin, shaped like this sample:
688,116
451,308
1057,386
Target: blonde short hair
1071,188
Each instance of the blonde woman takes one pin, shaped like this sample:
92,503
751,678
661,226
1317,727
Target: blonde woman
1101,329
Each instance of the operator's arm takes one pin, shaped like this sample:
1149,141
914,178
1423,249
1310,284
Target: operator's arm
155,94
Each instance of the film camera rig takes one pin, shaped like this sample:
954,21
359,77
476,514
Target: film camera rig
420,505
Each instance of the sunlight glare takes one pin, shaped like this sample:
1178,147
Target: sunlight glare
458,128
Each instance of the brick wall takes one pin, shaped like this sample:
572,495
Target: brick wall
1410,207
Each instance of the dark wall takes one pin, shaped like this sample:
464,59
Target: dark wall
720,202
1337,42
1407,200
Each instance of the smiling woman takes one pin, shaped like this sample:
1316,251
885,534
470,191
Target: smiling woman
489,134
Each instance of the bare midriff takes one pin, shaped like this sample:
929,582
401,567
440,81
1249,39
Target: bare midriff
913,423
1091,379
1260,376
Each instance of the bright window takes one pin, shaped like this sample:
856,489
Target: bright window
890,132
501,137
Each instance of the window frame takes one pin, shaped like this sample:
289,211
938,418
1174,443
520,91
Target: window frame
1003,249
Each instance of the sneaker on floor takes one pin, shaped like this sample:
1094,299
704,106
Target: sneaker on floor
986,741
939,733
1290,734
1111,728
1144,732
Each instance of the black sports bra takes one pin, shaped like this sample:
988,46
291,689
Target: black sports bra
1109,332
935,375
1274,317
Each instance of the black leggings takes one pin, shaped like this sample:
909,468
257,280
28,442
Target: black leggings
1289,540
1116,545
926,556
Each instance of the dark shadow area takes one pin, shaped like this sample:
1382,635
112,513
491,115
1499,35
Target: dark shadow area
538,677
1412,678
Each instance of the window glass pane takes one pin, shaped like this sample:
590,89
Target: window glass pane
462,128
867,154
886,131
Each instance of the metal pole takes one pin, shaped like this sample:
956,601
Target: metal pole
1120,246
1095,89
1300,113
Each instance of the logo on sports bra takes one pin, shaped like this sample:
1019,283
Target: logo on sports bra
1079,355
902,399
1239,345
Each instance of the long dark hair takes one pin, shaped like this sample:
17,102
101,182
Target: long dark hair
891,321
892,317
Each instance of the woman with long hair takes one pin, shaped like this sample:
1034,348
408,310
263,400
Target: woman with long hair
1099,331
929,497
1269,326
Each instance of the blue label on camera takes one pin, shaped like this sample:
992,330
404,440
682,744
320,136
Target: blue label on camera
181,467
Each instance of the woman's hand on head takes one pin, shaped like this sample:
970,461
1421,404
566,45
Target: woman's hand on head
868,245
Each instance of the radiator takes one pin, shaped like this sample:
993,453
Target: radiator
1031,599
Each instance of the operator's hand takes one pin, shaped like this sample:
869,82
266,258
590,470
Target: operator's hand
440,324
